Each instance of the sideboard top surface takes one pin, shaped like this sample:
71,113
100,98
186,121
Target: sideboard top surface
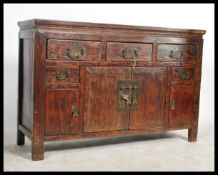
43,23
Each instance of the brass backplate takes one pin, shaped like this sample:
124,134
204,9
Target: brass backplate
127,95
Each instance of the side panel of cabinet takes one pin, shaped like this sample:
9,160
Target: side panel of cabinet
26,82
59,115
101,99
181,105
151,99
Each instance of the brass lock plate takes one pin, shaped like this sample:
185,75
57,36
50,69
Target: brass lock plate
127,96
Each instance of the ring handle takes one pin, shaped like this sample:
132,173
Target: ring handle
176,53
62,75
130,53
76,51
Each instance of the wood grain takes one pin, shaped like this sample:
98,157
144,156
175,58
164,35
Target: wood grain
115,51
57,49
168,67
38,97
28,68
55,24
101,88
151,102
164,52
59,119
72,75
183,97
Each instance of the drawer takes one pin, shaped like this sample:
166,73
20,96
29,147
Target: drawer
182,75
73,50
176,53
128,51
59,75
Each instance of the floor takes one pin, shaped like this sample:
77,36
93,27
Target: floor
168,151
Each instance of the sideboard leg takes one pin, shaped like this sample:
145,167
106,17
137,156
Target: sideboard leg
20,138
38,153
192,134
39,94
20,135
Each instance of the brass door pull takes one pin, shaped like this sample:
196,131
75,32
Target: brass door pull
75,112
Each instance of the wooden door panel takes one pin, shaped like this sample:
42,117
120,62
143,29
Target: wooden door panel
151,99
181,110
101,99
54,112
59,118
72,124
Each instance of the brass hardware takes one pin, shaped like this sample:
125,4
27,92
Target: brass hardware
127,98
185,75
62,75
134,100
130,53
76,51
176,53
75,112
172,105
127,95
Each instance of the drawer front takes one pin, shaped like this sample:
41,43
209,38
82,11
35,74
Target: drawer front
182,75
59,75
74,50
129,51
176,53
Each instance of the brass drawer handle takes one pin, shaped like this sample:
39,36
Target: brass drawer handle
62,75
75,112
130,53
76,51
176,53
185,75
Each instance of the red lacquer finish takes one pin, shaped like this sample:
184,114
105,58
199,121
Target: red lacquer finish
69,74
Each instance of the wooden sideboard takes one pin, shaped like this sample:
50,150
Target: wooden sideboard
81,80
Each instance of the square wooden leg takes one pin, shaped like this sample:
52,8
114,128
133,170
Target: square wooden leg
37,153
192,134
20,138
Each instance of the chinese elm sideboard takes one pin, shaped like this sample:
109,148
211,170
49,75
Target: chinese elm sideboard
82,80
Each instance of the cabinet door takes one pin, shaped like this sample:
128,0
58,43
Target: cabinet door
101,112
60,117
151,98
181,105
